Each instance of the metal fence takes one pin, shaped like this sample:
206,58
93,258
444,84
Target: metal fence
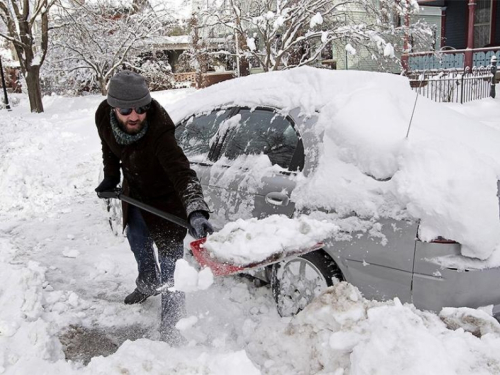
452,85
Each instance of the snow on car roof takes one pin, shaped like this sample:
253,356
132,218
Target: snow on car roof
444,174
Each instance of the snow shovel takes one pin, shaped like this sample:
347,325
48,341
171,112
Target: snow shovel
200,253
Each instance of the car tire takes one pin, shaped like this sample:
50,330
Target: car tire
296,282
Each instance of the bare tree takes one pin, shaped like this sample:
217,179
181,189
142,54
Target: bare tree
27,25
281,34
100,37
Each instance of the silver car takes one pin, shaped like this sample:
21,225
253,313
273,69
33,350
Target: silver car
403,266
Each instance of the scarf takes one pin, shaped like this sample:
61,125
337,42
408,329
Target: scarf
121,137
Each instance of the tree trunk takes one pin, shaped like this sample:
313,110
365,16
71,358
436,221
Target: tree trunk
244,67
202,70
244,63
34,89
102,85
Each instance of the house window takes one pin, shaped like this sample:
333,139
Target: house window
482,23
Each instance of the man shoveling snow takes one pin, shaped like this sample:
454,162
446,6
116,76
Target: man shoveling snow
137,135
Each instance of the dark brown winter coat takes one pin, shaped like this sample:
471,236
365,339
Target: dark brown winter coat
155,171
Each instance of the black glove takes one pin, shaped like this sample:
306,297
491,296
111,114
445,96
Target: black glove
199,225
108,184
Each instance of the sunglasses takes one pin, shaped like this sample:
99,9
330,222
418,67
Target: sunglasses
139,110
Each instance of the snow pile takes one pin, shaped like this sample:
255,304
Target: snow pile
341,332
247,241
360,161
34,178
26,337
150,357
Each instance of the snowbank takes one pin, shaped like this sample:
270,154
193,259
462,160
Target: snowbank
340,332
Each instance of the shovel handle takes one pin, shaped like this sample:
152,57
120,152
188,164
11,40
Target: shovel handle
117,194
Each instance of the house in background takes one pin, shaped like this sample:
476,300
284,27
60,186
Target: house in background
469,35
171,46
362,59
466,33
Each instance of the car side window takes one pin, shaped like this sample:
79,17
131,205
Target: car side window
194,134
262,131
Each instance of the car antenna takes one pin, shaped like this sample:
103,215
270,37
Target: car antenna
421,79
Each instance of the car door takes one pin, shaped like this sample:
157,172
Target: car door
258,153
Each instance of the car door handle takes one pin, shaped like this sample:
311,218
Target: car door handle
277,199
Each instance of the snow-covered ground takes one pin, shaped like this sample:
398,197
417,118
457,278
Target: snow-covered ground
64,274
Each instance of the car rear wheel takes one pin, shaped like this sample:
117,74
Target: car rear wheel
296,282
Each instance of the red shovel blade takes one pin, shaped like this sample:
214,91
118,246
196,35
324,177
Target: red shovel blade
205,259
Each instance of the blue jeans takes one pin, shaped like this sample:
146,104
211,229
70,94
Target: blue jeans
150,275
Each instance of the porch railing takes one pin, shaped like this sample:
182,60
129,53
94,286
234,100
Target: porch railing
453,85
451,59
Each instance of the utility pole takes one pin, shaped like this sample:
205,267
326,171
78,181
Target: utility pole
6,99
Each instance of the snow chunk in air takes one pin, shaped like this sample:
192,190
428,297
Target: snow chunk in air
188,279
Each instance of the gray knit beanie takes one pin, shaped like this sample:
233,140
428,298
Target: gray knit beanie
128,90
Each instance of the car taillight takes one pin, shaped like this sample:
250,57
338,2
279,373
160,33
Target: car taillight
439,239
442,240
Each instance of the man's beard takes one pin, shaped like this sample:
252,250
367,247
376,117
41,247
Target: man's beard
126,126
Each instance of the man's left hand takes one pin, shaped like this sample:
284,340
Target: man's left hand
199,225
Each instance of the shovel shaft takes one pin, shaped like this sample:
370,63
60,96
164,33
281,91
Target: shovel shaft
172,218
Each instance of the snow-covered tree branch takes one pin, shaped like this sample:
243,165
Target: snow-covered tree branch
92,40
288,33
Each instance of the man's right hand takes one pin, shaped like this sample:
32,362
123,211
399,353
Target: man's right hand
108,184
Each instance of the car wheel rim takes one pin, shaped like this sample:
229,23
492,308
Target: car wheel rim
299,282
